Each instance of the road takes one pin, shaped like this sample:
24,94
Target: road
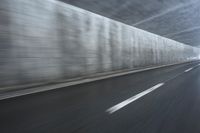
165,100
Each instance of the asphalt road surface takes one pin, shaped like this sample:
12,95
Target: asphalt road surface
165,100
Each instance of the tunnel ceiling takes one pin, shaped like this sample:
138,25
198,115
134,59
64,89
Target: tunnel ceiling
175,19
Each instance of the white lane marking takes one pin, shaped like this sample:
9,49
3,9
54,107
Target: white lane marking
197,65
188,69
134,98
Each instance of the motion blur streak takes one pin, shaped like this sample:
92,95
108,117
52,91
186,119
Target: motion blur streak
81,108
81,72
48,41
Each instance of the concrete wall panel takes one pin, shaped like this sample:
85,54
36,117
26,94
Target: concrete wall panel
43,41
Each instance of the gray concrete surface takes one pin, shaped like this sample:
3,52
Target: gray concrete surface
44,41
175,19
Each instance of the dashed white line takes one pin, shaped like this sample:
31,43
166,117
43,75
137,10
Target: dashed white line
197,65
188,69
134,98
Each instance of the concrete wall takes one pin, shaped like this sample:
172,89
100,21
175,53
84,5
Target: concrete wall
44,40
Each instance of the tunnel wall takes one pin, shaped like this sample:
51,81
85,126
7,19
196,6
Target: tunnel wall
45,40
